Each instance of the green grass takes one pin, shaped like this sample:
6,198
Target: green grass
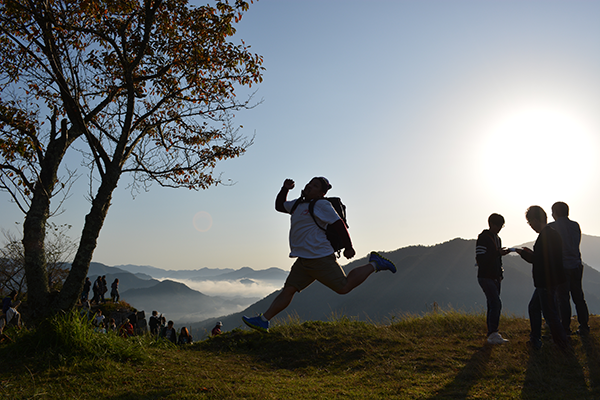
437,356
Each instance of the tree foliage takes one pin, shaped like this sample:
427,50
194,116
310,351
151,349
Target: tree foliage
143,87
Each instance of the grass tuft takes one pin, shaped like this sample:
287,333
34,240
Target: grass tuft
70,338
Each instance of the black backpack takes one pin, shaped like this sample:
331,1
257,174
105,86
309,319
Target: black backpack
332,235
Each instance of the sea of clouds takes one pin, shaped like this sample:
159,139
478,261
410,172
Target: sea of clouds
256,289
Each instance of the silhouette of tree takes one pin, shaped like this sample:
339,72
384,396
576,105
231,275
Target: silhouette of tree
140,87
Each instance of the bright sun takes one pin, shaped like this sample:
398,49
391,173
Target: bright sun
539,156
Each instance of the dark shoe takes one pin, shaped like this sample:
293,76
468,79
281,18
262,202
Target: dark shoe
583,331
534,344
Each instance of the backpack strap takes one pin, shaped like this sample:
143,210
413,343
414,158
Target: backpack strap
297,203
311,210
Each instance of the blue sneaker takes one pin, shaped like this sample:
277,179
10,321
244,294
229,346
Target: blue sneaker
256,323
381,263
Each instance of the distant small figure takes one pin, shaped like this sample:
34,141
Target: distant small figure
488,253
86,290
185,337
570,233
96,289
133,318
103,289
114,291
100,328
9,308
154,323
112,325
126,329
548,273
217,329
99,318
169,333
85,309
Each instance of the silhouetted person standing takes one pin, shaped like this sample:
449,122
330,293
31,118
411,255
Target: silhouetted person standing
114,292
85,293
548,274
96,288
570,233
488,253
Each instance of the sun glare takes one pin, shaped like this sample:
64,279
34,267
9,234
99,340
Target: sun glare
539,156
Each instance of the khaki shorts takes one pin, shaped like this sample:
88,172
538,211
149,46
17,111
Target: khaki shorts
325,270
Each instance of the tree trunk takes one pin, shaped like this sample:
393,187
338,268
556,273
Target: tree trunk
34,233
94,221
34,229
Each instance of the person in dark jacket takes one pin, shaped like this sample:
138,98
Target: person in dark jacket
85,293
154,323
548,274
96,288
169,333
114,292
488,253
570,233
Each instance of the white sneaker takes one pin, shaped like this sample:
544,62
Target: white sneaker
495,338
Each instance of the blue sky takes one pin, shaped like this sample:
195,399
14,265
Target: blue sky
426,116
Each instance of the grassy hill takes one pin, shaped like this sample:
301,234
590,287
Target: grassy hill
439,355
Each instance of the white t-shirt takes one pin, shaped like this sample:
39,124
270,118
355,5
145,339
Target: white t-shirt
307,240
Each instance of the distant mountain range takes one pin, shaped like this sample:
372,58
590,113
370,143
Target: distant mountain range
443,274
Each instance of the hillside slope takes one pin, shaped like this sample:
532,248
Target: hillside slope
437,356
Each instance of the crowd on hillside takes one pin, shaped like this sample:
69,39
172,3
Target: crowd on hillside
157,323
99,289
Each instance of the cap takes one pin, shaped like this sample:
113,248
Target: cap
325,185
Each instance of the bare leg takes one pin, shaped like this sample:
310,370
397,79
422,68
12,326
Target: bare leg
357,276
280,303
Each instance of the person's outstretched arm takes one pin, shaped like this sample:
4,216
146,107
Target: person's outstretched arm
281,198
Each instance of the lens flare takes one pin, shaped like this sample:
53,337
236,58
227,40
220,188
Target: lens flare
202,221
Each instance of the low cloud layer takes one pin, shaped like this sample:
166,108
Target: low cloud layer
257,289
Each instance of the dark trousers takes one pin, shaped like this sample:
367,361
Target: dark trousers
543,302
572,290
491,289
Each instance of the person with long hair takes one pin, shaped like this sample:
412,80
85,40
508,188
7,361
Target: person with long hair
185,337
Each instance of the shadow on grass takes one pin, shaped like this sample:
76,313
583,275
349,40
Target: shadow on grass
146,395
554,374
327,347
463,382
591,349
